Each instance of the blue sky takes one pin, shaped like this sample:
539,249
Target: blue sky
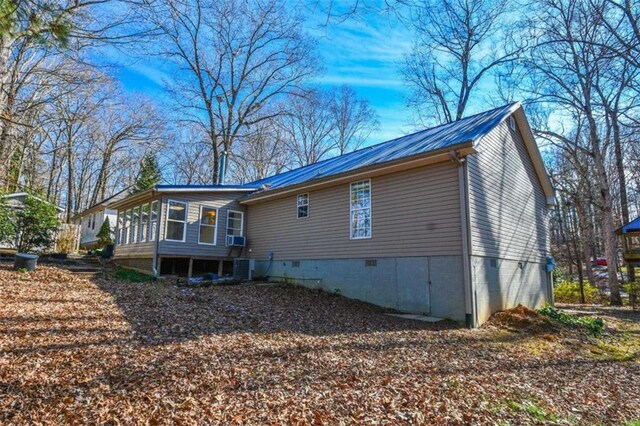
362,53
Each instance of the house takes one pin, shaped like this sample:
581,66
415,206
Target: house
91,220
450,221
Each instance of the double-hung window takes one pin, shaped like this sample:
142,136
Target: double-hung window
303,206
144,223
208,228
360,223
176,221
153,218
234,223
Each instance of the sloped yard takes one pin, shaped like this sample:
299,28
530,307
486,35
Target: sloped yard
80,351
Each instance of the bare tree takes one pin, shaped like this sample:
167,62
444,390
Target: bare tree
261,153
565,66
354,119
459,44
307,128
239,55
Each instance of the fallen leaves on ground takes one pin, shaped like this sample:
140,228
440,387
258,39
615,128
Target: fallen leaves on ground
80,351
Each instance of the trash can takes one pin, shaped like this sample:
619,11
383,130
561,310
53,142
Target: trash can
25,261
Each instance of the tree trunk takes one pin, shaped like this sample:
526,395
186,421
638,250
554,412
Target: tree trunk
624,200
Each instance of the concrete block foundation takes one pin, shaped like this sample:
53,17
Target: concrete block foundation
420,285
503,284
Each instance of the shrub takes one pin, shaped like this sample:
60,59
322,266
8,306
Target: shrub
105,234
133,276
32,227
569,292
66,240
593,326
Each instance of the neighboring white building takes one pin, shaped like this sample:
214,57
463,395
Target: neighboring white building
91,220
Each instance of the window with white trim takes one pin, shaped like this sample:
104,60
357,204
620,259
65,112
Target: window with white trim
135,225
303,206
234,223
153,221
127,224
176,221
360,210
144,223
208,225
119,239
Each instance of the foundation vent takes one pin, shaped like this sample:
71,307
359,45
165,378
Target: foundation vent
370,262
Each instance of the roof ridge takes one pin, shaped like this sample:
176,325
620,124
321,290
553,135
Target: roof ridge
319,164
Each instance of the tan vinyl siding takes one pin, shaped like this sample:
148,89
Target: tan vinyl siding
414,213
506,201
222,201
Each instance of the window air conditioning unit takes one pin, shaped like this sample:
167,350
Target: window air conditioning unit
235,241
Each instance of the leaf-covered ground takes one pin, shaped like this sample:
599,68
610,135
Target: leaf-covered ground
103,351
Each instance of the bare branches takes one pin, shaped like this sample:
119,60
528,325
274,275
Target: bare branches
458,45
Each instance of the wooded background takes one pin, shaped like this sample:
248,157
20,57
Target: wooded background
245,84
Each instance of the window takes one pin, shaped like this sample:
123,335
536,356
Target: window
119,239
512,122
361,209
234,223
135,224
144,223
127,224
153,218
303,206
176,221
93,221
208,222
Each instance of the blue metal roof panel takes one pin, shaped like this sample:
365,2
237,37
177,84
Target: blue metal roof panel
633,226
468,129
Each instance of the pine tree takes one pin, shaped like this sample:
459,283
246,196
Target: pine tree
105,234
149,174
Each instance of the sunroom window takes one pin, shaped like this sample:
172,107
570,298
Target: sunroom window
135,225
120,225
176,221
127,226
144,223
208,222
153,228
360,223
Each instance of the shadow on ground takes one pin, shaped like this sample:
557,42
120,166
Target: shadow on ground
160,313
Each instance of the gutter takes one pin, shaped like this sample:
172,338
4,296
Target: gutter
405,163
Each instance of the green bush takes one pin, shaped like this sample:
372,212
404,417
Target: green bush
133,276
32,227
593,326
569,292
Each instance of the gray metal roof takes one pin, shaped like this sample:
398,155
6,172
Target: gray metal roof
468,129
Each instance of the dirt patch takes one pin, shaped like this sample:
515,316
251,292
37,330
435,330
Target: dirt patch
521,319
